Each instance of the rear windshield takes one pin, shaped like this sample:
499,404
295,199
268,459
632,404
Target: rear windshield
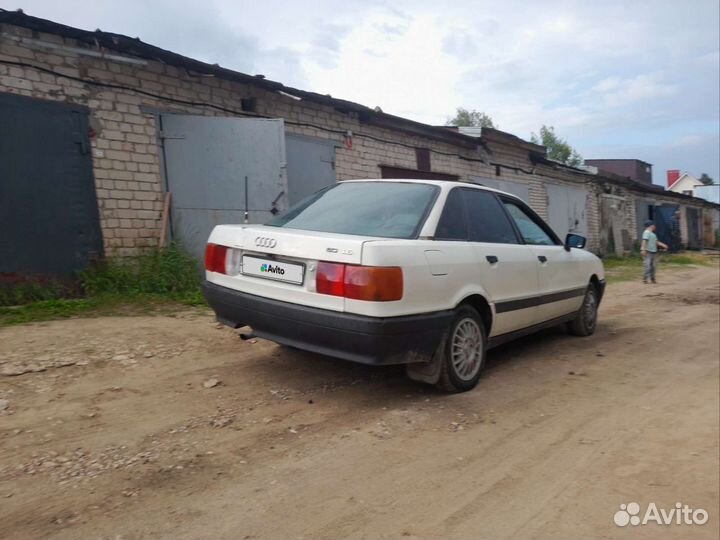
384,209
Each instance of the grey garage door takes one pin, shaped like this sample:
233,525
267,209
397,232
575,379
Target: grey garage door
49,222
208,161
310,166
567,209
694,228
644,210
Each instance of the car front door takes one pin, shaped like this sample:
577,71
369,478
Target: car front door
504,266
561,283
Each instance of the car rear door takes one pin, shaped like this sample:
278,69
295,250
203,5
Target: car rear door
560,277
502,265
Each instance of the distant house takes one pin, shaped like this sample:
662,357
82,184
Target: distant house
684,183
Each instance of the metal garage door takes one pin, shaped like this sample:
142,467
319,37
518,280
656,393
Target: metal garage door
694,228
49,223
665,217
708,232
310,166
207,162
644,210
566,209
516,188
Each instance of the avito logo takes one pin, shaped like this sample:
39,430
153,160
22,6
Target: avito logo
629,514
269,268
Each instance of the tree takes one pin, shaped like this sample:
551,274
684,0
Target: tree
705,179
557,148
465,118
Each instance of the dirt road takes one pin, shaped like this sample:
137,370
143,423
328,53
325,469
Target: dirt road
114,428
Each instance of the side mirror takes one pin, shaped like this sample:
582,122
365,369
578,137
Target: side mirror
574,241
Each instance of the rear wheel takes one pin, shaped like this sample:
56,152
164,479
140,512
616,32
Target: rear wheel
463,351
586,319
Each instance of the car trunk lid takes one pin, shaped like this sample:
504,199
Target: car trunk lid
292,243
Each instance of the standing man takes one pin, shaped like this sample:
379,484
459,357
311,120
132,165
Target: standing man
648,249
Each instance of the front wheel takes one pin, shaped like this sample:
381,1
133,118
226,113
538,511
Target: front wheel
586,319
462,353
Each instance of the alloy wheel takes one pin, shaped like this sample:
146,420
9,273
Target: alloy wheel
466,349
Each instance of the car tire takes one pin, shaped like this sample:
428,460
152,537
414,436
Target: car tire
586,319
462,352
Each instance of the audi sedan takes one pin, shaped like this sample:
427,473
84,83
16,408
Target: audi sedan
425,273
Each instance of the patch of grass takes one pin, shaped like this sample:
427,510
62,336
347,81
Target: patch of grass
104,305
685,258
612,262
628,268
157,281
101,305
44,310
25,289
168,271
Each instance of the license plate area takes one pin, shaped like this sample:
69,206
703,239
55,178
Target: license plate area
284,271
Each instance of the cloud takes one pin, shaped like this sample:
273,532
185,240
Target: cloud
392,29
373,52
688,140
459,44
410,75
330,37
618,92
325,46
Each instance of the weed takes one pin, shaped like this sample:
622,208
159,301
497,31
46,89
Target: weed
153,281
15,290
166,271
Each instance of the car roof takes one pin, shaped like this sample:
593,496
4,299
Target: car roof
445,184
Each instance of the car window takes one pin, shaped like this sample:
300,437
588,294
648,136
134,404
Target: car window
531,232
452,225
487,221
383,209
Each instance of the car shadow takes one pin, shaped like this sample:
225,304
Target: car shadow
311,373
526,349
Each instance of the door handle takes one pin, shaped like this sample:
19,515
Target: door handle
542,258
492,259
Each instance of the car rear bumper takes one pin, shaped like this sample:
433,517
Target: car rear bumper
358,338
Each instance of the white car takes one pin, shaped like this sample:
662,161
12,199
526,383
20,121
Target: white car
420,272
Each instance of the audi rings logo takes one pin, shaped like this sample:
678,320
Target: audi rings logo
264,241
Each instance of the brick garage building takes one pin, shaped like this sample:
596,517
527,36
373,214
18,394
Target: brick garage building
134,100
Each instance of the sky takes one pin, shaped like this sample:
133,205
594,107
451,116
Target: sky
616,78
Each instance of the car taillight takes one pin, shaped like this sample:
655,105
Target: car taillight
330,279
370,283
215,256
373,283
